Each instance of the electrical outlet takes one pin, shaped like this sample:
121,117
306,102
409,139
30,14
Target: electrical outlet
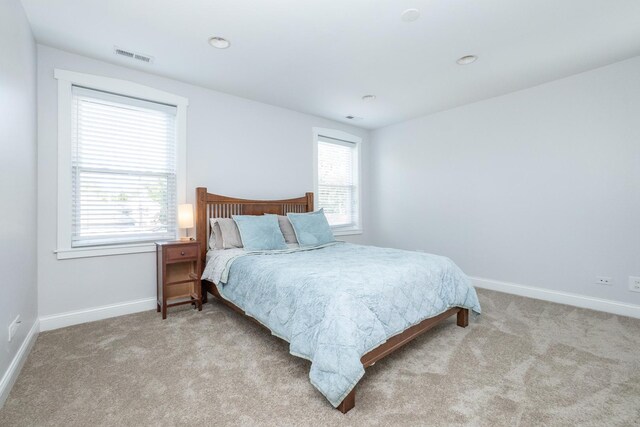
604,280
13,327
634,284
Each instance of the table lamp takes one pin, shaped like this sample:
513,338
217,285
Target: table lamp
185,218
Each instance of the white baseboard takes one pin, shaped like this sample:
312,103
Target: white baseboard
11,375
56,321
576,300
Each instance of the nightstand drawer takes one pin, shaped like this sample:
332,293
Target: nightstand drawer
181,253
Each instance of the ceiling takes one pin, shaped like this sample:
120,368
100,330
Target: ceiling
321,57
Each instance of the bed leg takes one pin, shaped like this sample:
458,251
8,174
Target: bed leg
463,317
348,403
205,294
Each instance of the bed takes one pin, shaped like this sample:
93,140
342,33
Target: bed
339,305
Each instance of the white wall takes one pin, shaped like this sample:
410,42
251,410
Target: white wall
235,147
539,187
17,184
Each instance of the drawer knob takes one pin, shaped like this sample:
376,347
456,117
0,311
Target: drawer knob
182,253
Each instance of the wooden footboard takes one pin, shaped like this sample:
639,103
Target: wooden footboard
400,340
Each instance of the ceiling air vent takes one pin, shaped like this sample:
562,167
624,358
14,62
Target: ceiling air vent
142,58
133,55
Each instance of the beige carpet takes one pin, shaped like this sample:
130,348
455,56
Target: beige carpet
523,362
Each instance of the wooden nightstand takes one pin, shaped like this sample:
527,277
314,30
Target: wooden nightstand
178,267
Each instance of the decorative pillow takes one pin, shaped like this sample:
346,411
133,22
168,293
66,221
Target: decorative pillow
260,232
215,239
312,229
286,228
230,234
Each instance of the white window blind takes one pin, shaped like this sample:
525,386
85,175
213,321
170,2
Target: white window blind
123,169
337,182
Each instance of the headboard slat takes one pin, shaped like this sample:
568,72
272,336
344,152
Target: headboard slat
216,206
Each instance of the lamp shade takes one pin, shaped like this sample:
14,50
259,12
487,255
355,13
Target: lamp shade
185,216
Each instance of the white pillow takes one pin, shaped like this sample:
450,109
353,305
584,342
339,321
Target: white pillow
230,233
215,238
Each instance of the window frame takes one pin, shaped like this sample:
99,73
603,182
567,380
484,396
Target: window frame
357,141
67,79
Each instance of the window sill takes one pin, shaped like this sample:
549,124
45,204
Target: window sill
347,231
95,251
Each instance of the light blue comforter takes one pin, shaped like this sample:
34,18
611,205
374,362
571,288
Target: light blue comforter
336,303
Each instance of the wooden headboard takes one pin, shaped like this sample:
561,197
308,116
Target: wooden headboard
215,206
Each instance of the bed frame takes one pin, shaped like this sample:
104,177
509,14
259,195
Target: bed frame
216,206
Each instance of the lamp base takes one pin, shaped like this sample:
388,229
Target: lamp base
185,239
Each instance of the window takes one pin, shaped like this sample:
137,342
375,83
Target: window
337,179
121,165
123,169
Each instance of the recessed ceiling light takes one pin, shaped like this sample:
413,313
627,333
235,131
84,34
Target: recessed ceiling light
369,98
219,42
467,59
410,15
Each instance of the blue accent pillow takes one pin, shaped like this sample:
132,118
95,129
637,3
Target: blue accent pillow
312,229
260,232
